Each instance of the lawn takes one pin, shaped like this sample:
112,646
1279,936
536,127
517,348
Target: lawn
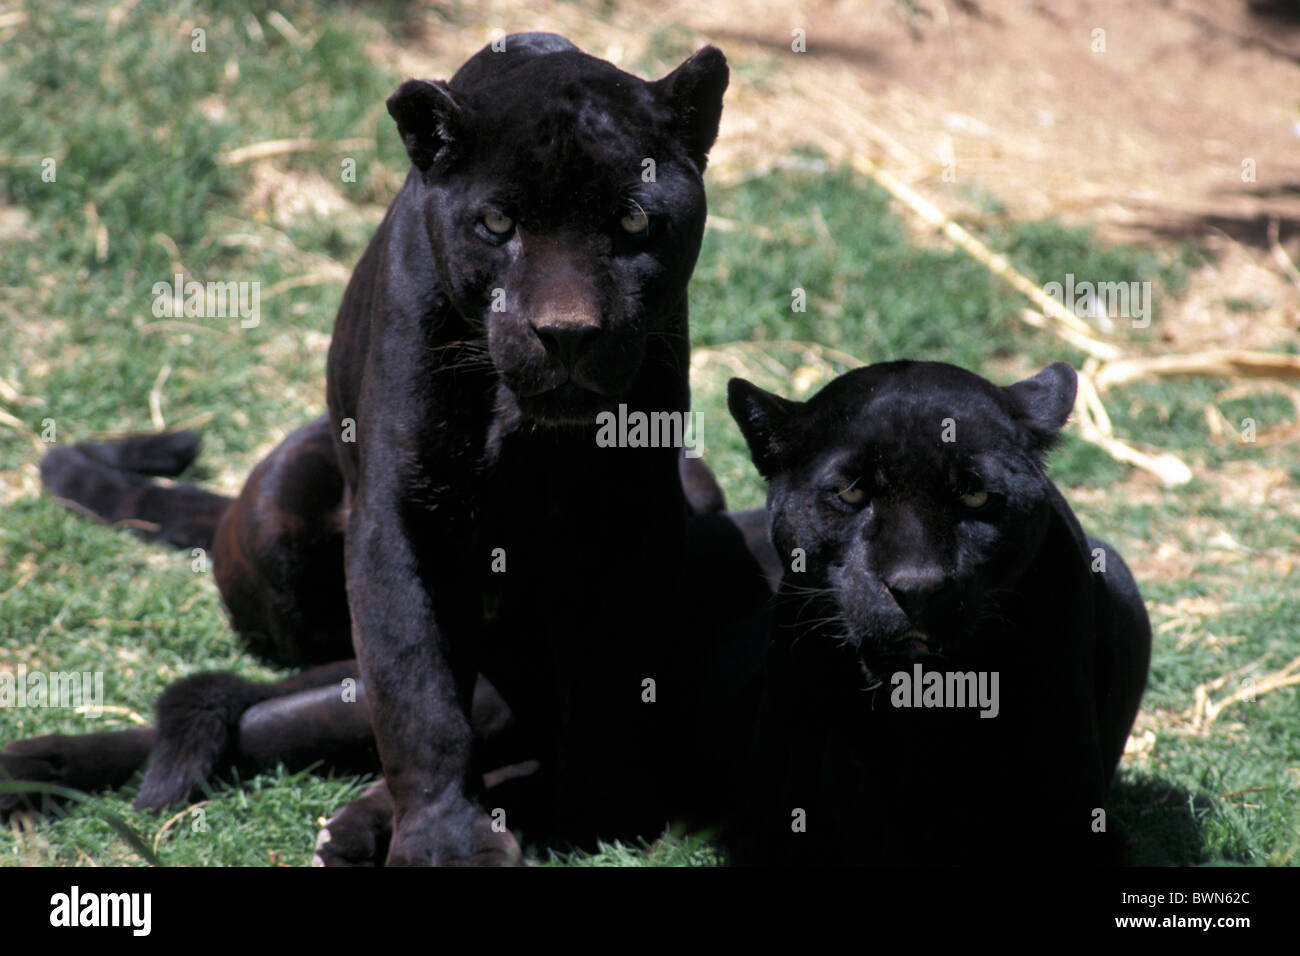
142,128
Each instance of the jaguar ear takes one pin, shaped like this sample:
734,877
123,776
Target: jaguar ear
763,419
694,91
429,119
1043,404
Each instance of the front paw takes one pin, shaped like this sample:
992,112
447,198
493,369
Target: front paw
359,833
468,837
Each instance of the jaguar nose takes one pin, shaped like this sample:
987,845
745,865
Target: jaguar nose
566,342
914,588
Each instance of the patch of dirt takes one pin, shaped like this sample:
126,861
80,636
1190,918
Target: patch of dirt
1149,130
1249,483
288,197
20,483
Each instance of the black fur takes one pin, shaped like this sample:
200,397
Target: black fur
113,481
909,504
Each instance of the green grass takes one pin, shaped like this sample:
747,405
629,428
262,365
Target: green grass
134,120
671,849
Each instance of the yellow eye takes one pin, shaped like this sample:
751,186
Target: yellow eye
635,222
498,223
852,496
976,499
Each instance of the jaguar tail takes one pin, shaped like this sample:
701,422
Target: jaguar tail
115,482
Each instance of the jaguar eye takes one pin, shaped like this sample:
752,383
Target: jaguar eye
497,223
976,499
635,222
851,495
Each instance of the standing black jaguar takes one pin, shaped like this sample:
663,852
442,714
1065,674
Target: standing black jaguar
954,666
530,274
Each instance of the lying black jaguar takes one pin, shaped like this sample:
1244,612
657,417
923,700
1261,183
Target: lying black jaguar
954,666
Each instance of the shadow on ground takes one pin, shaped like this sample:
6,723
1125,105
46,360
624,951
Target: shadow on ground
1160,823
